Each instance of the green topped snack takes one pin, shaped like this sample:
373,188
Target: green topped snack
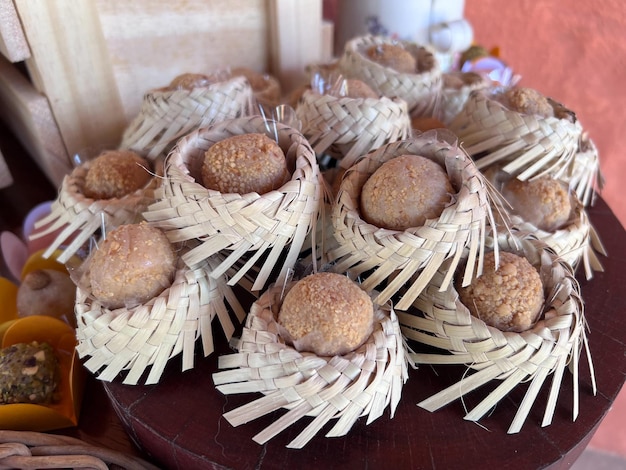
28,373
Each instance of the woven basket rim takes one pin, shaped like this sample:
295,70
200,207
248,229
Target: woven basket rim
358,133
71,203
258,222
385,380
460,169
420,90
134,355
546,349
357,44
525,145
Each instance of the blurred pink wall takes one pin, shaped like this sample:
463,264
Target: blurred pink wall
573,51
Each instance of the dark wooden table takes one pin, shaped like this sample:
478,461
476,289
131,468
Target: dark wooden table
178,423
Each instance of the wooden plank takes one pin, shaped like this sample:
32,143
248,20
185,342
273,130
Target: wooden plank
95,59
27,113
149,42
13,43
296,39
69,63
328,41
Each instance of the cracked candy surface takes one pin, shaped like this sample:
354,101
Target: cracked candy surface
404,192
327,313
509,298
244,164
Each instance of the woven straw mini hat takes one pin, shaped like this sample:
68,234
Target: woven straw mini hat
146,336
350,127
414,255
420,90
553,344
168,114
265,87
245,226
343,388
576,241
81,217
522,145
455,91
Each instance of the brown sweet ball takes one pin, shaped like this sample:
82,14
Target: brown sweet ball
327,314
457,80
509,298
425,60
116,173
135,263
544,202
243,164
47,292
393,56
404,192
423,124
258,81
189,81
528,101
356,89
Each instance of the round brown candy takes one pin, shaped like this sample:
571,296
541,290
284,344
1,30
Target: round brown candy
544,202
393,56
509,298
404,192
243,164
135,263
116,173
327,314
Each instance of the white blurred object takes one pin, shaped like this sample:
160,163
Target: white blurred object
438,23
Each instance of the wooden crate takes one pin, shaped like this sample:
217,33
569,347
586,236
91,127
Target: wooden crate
93,60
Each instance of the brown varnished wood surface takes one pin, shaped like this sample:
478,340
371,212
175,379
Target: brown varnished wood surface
178,423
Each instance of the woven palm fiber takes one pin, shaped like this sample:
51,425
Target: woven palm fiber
149,335
247,226
523,145
585,176
419,90
452,99
271,94
81,217
167,115
577,243
413,255
342,388
347,128
553,344
33,450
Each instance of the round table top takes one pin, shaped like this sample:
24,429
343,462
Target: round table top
179,422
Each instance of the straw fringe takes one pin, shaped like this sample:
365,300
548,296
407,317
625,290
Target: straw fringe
350,127
577,244
452,99
362,383
585,177
149,335
168,115
525,146
81,217
412,255
240,223
553,344
419,90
